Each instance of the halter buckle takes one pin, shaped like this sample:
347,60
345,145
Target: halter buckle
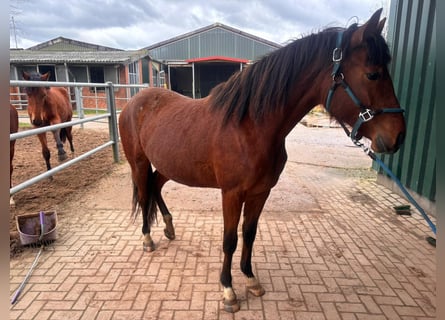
366,115
337,55
338,77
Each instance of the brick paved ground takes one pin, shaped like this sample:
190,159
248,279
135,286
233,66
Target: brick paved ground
329,246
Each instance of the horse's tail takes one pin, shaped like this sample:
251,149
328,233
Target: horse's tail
63,134
149,199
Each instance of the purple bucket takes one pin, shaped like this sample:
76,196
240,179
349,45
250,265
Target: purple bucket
30,228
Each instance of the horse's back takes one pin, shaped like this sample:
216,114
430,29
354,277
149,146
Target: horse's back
174,132
153,99
152,105
63,94
62,103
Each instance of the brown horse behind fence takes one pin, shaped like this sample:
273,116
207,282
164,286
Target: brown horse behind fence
234,139
13,128
49,106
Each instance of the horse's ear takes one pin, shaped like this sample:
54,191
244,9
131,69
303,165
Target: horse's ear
46,76
381,25
25,75
371,27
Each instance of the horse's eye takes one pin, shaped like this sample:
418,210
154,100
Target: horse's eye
373,76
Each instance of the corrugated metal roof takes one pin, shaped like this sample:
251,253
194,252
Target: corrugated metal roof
214,40
100,57
210,27
62,44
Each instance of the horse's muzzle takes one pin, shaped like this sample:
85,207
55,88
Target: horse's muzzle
381,146
37,122
400,140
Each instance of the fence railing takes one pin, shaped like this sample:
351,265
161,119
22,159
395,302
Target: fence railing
110,115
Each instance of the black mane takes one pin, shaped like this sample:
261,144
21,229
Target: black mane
34,76
266,84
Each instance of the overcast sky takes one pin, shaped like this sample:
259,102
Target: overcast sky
137,24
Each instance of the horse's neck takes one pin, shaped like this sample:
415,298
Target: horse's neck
305,97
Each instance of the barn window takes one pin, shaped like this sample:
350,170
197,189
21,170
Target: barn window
162,79
133,76
97,76
78,74
48,68
155,76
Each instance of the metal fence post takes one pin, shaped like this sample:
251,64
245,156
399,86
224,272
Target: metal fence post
112,123
79,106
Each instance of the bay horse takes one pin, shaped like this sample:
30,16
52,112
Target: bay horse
234,139
49,106
13,128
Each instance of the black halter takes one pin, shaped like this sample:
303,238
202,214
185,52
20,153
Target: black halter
366,114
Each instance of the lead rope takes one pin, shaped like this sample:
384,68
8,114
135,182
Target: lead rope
36,259
364,116
373,156
399,184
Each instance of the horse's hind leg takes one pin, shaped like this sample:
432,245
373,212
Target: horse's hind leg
169,230
143,196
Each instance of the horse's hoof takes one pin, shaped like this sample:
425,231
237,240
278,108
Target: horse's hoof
149,247
63,157
231,306
256,290
169,230
170,235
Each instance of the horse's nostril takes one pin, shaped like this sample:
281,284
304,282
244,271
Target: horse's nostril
400,139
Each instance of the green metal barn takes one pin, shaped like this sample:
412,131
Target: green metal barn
412,40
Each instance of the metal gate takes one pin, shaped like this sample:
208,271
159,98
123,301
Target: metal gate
110,116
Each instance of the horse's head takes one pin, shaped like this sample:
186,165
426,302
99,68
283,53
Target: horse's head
368,102
36,97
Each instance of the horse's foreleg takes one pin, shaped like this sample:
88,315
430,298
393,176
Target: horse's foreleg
232,204
169,230
45,151
69,135
60,151
252,211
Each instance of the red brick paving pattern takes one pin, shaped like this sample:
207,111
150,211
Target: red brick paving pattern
339,253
